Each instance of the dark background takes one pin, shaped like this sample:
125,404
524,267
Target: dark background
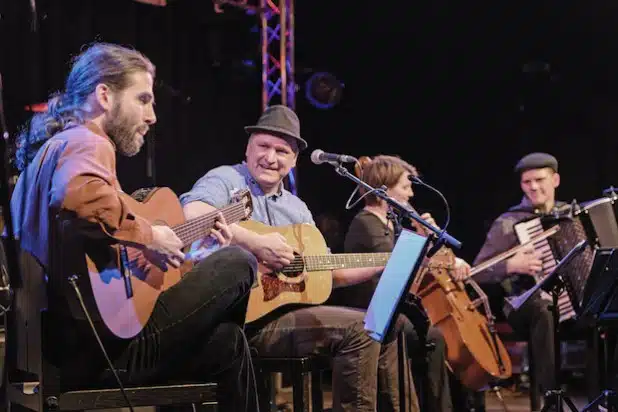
439,83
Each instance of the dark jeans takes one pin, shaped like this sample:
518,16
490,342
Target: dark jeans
429,368
364,371
196,331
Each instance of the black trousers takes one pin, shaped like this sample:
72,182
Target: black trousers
535,321
429,369
195,333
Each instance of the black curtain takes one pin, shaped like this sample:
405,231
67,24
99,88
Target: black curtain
440,84
203,97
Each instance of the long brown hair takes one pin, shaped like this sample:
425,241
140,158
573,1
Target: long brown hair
382,170
101,63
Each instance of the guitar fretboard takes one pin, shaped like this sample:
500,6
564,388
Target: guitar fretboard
337,261
199,227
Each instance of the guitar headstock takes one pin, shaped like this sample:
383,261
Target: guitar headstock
244,197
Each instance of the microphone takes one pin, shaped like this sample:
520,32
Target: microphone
319,156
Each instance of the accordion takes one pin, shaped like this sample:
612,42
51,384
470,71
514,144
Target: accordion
593,221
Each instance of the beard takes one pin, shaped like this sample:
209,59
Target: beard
123,131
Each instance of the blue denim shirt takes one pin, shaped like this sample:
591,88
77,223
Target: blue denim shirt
218,185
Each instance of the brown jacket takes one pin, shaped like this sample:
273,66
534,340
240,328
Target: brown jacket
74,171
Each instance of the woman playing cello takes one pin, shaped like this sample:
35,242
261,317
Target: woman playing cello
371,230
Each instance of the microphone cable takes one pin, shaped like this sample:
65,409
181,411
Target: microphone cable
417,180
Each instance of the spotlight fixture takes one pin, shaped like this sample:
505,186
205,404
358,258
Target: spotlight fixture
323,90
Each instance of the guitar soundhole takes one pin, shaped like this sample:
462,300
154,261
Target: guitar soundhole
272,286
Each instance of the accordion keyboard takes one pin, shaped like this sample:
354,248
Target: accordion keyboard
526,231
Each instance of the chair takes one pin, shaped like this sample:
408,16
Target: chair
32,383
299,368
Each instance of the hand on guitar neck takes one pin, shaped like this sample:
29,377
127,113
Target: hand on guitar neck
271,249
221,235
166,246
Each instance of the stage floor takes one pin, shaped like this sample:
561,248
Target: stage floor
515,401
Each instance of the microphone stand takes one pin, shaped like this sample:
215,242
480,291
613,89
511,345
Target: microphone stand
441,237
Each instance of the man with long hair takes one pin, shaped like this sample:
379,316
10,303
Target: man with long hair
68,161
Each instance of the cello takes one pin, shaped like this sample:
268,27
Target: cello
475,353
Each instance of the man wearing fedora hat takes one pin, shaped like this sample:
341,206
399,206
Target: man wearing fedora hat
337,332
539,179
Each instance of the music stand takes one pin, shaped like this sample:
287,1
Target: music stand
554,284
394,284
600,304
389,296
600,284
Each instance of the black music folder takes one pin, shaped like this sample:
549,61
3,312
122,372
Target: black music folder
601,287
395,283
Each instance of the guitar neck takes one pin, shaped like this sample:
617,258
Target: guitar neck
199,227
344,261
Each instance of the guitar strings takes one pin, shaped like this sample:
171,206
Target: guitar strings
188,229
340,260
203,224
187,234
211,216
335,261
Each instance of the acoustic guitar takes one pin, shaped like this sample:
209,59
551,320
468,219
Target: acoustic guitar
126,281
308,279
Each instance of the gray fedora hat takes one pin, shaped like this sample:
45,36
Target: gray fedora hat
280,121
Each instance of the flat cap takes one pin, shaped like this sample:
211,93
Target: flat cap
536,160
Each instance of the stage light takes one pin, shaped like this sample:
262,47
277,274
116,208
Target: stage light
323,90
